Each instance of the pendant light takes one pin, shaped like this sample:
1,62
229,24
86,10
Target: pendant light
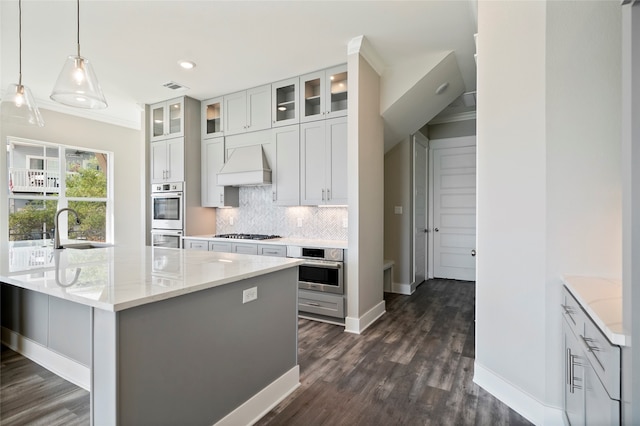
77,84
18,105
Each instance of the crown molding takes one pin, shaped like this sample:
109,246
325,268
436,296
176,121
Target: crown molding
360,45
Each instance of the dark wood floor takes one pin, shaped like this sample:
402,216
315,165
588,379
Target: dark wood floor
414,366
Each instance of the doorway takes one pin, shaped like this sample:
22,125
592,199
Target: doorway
452,208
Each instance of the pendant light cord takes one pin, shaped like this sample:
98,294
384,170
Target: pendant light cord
19,43
78,25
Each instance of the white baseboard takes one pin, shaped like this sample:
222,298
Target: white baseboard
264,401
520,401
68,369
406,289
358,325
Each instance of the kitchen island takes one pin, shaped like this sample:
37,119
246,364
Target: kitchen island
167,336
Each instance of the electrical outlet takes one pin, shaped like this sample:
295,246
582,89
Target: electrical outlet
345,223
231,220
397,209
299,222
249,294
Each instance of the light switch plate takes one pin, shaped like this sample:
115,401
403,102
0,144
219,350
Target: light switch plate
397,209
249,294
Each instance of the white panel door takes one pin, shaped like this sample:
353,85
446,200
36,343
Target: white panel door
337,161
454,212
420,211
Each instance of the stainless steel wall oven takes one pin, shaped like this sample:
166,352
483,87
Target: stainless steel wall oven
322,271
167,206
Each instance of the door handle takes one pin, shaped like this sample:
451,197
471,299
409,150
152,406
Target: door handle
437,230
426,230
473,253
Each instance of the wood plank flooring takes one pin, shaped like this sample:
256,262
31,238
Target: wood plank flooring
414,366
32,395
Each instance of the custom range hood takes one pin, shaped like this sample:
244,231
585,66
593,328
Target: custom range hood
246,166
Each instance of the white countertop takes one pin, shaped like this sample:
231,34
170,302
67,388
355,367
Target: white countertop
602,299
117,278
303,242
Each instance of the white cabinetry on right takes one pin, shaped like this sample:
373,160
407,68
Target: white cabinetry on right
247,111
323,168
167,160
213,195
323,94
285,177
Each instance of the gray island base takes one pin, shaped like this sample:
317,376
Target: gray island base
193,350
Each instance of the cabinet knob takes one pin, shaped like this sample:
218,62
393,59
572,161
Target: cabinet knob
473,253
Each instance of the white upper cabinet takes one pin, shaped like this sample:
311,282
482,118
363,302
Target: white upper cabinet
167,160
211,120
284,100
286,165
213,159
167,119
323,153
247,111
323,94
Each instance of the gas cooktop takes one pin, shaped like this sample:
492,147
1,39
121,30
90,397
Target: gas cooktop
247,236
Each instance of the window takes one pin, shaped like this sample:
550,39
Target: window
45,177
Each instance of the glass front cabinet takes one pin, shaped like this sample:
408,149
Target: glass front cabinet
284,97
323,94
211,121
167,119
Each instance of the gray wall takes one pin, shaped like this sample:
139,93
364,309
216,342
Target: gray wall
453,129
128,150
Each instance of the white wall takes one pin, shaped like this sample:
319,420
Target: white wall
128,150
548,184
398,227
365,212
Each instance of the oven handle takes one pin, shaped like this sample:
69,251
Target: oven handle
167,195
323,264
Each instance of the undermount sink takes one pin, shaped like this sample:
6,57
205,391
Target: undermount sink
85,246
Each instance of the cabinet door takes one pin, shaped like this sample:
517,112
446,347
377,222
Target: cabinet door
196,245
220,247
574,401
157,116
312,98
286,166
284,101
212,195
158,161
174,124
211,118
175,160
259,108
337,161
600,409
235,117
313,163
244,248
336,92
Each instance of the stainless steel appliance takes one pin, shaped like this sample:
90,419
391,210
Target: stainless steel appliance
167,206
247,236
166,238
323,269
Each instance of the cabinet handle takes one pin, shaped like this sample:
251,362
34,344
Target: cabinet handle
274,195
573,386
567,365
328,194
221,199
313,304
323,195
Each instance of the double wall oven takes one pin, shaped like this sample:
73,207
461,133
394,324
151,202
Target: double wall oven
167,214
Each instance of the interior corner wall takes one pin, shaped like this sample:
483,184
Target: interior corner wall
511,212
397,227
584,188
128,149
366,192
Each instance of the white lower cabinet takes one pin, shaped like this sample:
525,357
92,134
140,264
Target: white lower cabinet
315,302
213,195
195,245
222,247
244,248
591,367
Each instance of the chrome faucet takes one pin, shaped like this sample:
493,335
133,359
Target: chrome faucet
56,239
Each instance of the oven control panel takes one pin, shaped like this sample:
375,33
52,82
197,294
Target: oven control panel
167,187
332,254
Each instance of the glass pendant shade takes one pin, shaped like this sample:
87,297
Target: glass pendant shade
18,106
78,86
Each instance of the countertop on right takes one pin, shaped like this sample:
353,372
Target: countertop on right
601,298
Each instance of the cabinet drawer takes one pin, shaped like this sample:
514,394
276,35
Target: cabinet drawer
196,245
220,247
321,303
244,248
271,250
603,357
572,312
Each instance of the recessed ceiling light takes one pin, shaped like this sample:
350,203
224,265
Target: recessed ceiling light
187,65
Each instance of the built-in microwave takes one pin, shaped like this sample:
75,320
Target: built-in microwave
323,269
167,206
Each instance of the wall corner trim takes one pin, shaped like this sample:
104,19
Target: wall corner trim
523,403
360,45
358,325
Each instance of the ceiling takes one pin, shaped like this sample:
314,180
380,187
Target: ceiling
135,46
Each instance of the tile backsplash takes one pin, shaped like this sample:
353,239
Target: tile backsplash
258,215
